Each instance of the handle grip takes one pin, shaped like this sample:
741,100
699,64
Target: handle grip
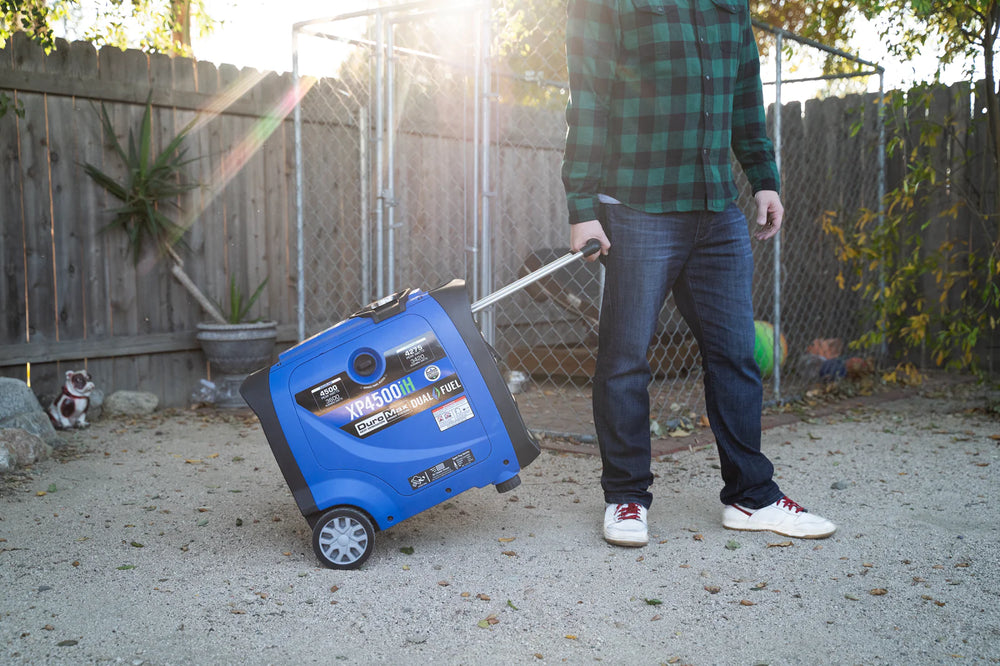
592,246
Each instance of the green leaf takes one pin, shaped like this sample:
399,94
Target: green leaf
406,550
732,545
653,602
52,488
150,183
126,567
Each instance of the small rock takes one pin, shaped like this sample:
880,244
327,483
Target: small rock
131,403
840,485
19,448
19,408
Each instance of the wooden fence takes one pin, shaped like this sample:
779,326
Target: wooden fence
72,296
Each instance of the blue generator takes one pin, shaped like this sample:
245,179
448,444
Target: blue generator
388,413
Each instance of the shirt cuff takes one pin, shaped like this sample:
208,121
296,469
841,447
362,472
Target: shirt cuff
582,207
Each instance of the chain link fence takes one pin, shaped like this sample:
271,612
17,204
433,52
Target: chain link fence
429,147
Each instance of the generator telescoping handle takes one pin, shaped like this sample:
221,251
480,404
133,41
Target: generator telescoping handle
593,245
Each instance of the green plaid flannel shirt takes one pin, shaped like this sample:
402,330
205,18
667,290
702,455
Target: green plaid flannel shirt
660,90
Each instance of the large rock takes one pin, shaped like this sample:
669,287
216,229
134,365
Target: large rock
19,408
130,403
19,448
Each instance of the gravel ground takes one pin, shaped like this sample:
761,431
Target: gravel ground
174,540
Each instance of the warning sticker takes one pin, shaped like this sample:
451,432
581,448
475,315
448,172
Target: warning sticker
453,413
442,469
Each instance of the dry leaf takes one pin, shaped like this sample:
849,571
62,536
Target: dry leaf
510,553
780,544
655,618
698,537
506,539
878,592
483,597
572,637
713,589
443,583
746,602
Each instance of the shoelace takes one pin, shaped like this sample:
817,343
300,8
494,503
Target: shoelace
628,511
787,503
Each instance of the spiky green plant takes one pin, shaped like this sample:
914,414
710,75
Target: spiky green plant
150,184
239,306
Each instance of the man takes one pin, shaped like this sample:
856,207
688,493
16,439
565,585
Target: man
660,91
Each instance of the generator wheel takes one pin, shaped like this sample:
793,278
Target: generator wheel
509,484
343,538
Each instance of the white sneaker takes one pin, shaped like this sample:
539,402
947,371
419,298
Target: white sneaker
625,525
784,517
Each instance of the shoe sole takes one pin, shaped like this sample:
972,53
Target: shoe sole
626,544
794,536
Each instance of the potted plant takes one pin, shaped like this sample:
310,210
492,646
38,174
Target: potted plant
237,346
149,187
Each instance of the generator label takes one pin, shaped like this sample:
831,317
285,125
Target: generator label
418,377
372,413
400,361
442,469
453,413
328,394
419,352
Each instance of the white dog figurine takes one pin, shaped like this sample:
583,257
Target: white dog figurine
69,410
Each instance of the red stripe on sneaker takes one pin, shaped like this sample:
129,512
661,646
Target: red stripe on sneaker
738,507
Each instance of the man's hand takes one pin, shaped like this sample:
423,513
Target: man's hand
580,233
770,213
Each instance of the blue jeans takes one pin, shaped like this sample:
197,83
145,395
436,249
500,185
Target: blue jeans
705,259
